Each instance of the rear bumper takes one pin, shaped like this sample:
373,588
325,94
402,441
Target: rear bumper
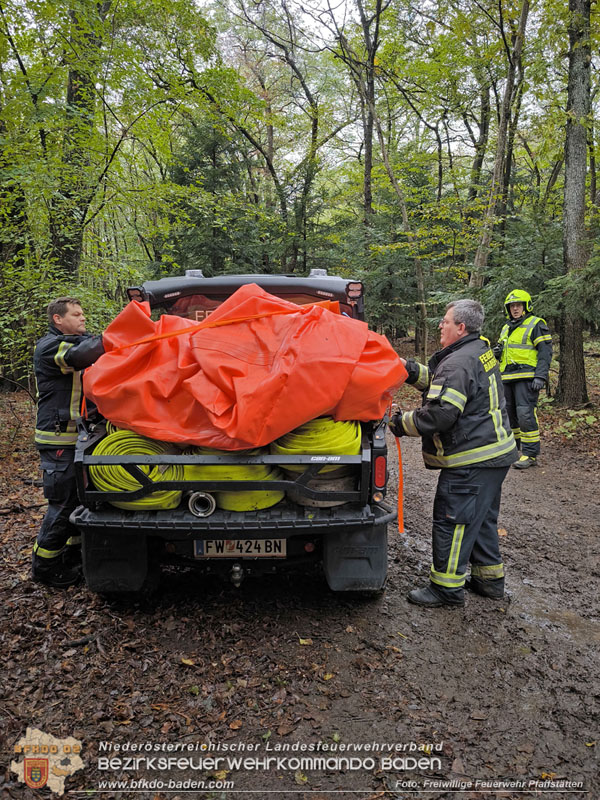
285,520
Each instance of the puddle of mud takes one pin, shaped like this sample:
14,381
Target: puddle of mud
534,606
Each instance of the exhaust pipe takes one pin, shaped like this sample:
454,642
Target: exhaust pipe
201,504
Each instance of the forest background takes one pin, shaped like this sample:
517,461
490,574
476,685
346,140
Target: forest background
434,150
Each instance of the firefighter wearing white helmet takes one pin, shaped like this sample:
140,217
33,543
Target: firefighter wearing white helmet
525,352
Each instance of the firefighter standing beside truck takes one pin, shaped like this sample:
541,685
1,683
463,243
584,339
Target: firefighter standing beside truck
525,352
59,357
466,434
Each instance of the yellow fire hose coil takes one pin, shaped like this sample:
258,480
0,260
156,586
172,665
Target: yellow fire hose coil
236,501
322,435
115,478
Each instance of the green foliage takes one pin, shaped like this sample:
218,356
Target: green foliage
142,138
27,288
577,423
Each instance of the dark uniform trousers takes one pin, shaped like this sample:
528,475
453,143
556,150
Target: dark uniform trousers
60,490
465,528
521,403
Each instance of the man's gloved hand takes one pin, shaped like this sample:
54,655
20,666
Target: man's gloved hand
537,384
396,424
497,350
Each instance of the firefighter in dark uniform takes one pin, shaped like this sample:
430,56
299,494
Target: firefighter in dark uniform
59,358
525,352
466,434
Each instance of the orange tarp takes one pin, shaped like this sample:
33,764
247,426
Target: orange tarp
256,368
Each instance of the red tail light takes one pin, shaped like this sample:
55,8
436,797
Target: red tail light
380,471
354,289
135,294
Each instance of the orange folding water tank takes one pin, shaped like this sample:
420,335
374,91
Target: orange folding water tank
255,369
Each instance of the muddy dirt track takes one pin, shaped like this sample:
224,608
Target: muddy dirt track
503,691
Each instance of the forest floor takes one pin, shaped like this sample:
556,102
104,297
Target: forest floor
495,691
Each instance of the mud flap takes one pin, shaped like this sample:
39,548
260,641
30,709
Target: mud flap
114,563
356,561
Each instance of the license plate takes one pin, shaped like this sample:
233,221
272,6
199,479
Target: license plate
240,548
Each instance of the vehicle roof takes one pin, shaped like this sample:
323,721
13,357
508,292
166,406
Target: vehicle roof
166,289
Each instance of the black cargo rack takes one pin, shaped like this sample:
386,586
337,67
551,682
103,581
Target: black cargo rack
91,497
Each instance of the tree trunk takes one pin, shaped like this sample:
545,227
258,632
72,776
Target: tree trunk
483,250
481,144
69,207
504,201
368,172
421,343
572,388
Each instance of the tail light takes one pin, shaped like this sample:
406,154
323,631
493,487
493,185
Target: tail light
354,290
380,472
136,294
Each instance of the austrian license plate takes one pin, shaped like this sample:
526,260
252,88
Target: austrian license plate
240,548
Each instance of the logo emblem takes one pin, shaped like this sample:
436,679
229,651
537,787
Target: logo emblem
36,772
43,760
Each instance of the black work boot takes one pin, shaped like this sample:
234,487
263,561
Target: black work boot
525,462
54,572
430,599
490,588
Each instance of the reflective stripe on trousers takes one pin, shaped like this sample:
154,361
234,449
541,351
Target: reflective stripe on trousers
465,526
60,490
521,405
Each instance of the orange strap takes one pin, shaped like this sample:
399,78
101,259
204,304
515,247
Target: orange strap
400,488
331,305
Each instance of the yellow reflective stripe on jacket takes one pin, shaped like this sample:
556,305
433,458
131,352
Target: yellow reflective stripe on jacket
495,412
545,338
455,397
484,453
487,571
75,401
423,379
59,358
517,376
408,423
522,347
439,447
52,439
434,391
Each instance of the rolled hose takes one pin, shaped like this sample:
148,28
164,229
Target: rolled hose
322,435
236,501
115,478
